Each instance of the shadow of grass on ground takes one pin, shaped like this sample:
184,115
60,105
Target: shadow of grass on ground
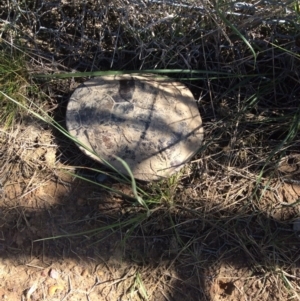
178,251
183,250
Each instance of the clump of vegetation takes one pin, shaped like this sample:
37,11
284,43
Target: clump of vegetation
13,82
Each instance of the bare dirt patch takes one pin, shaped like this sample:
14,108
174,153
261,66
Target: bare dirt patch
198,245
195,262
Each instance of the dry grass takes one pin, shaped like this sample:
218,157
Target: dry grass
221,230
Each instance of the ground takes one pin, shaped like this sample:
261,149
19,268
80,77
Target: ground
225,228
40,202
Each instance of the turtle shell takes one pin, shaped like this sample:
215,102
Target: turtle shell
152,123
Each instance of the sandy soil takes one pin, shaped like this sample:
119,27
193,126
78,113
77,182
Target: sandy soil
39,201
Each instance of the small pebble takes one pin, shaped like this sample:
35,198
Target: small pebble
101,177
54,288
54,274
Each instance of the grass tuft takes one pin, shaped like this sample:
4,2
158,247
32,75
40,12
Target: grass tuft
13,82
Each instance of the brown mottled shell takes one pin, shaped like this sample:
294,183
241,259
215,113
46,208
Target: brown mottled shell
152,123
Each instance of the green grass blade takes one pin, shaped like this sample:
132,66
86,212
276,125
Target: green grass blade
237,32
133,185
106,73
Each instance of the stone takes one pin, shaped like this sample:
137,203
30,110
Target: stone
152,123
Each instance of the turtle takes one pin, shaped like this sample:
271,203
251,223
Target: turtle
152,123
